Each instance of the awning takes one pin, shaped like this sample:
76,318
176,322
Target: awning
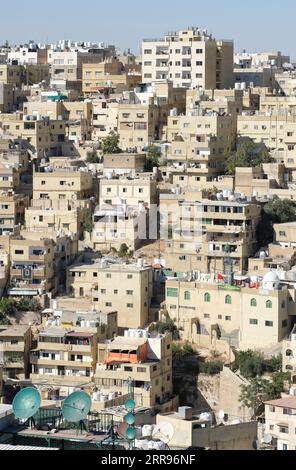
20,292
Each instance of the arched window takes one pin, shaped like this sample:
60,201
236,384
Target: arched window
207,297
187,296
253,303
289,353
269,304
228,300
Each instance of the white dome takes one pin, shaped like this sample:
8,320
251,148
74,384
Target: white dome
271,277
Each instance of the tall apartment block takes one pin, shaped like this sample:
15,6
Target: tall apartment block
189,58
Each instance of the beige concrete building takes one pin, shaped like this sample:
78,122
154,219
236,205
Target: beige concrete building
32,265
76,114
132,192
247,318
124,164
9,178
12,208
199,142
189,58
11,74
197,431
277,132
280,422
7,98
14,152
67,64
147,359
126,288
202,234
289,355
62,184
61,354
110,73
122,216
143,113
261,181
44,135
15,345
105,117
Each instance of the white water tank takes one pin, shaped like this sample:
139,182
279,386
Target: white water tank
147,431
140,263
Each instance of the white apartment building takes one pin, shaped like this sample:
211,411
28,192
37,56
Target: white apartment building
189,58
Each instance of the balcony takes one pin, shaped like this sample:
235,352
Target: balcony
8,347
36,257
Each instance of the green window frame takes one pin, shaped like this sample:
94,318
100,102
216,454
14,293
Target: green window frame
172,292
253,321
253,303
187,295
269,324
269,304
228,300
207,298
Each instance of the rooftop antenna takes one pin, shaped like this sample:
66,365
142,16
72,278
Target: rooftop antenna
26,403
76,408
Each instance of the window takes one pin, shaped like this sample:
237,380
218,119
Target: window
287,411
253,303
129,292
108,304
207,316
187,296
253,322
227,318
19,252
269,304
130,305
108,276
228,300
129,276
172,292
115,292
284,429
272,409
207,298
284,323
269,323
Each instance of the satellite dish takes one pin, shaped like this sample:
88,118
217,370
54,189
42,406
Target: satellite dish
164,432
221,414
26,403
267,439
76,407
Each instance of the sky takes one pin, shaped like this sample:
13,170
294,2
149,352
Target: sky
254,25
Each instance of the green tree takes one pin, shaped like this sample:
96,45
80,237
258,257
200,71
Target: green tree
29,305
153,158
280,211
92,157
88,224
111,144
254,394
260,390
167,325
123,250
277,211
248,154
274,364
211,367
8,306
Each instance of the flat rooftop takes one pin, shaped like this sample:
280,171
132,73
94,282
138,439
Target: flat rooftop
15,330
